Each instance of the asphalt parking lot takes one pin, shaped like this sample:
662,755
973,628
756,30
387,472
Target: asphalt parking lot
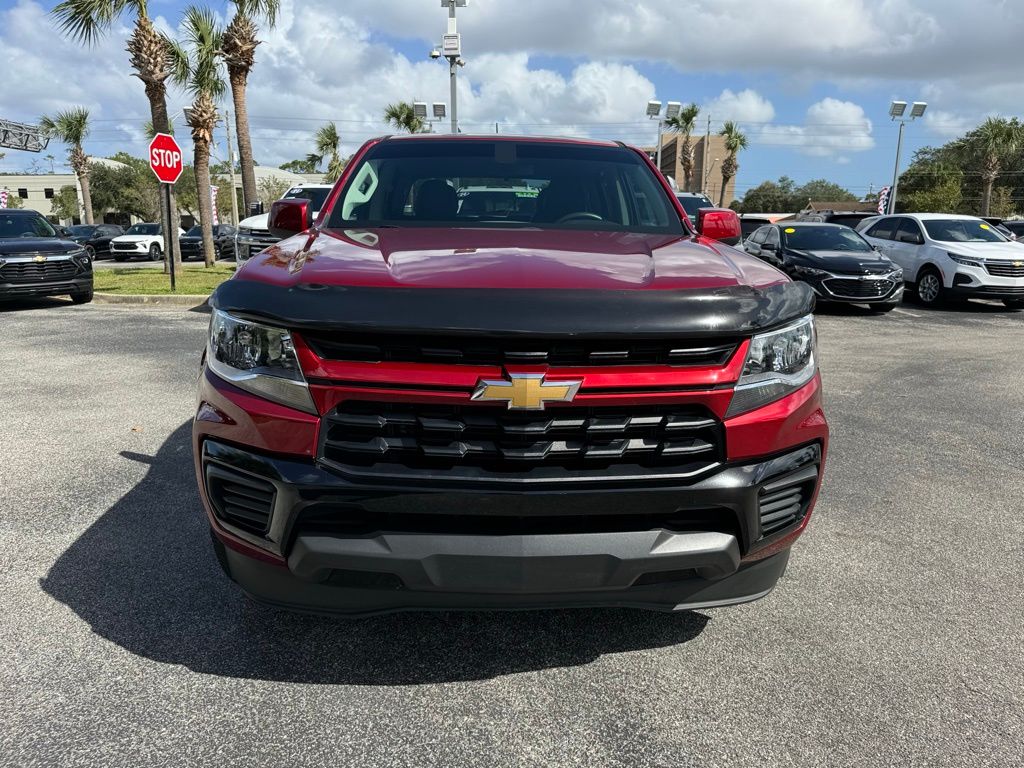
895,637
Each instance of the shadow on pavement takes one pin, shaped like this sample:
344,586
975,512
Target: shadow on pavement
22,305
144,577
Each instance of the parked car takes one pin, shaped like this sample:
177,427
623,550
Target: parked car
1016,226
839,264
95,238
253,233
946,256
223,242
1000,226
751,222
36,261
410,408
846,218
141,240
692,202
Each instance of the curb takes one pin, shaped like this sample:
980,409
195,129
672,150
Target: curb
172,300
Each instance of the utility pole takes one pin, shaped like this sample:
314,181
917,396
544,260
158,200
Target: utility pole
231,166
704,162
451,49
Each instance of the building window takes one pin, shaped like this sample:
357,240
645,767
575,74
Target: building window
48,191
22,193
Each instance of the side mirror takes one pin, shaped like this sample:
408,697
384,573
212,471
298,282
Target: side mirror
289,217
720,224
769,247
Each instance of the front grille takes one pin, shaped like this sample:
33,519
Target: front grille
242,500
494,439
852,288
456,350
784,502
999,290
1005,268
124,246
37,272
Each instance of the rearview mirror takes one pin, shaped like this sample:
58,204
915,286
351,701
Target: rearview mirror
289,217
722,224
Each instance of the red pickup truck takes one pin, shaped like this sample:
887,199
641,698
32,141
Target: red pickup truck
505,372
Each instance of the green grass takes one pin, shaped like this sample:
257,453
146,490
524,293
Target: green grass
195,281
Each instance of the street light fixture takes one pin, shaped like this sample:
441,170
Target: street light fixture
672,110
451,49
896,111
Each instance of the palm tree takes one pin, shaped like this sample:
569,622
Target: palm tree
990,145
147,128
684,124
196,68
403,117
72,128
149,54
328,145
734,142
239,48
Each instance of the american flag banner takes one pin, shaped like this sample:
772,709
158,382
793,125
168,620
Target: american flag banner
3,198
883,199
213,199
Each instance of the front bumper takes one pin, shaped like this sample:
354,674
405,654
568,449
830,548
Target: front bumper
248,244
856,289
77,285
969,282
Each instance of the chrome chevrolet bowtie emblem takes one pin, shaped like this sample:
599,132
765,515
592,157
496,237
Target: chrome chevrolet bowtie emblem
39,259
526,391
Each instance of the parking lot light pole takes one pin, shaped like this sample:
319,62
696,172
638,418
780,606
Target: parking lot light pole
896,111
451,49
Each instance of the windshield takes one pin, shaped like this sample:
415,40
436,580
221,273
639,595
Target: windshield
143,229
834,238
25,226
82,230
962,231
316,195
196,231
692,204
483,183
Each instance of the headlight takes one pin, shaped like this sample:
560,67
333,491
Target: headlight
810,272
81,256
259,359
967,262
778,363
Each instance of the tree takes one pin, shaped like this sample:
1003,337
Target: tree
239,49
988,148
149,55
822,189
272,188
310,165
72,127
403,117
734,142
65,203
13,201
196,68
147,128
770,197
328,145
684,124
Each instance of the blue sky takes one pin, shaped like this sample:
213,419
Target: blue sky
809,81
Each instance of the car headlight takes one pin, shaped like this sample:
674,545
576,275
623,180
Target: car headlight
967,262
800,271
81,256
778,363
259,359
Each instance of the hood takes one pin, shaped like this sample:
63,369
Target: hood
522,281
134,238
1010,251
845,261
26,245
411,257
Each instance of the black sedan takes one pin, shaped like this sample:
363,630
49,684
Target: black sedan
95,238
223,242
833,259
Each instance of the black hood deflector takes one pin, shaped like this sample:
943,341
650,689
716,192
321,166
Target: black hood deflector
539,313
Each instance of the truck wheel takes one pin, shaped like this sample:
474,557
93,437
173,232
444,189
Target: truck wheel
155,253
82,298
1014,303
929,287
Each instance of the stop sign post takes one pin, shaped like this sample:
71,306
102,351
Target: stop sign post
167,162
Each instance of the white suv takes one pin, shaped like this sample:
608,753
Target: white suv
945,256
143,240
253,234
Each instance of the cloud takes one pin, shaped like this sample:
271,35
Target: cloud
832,128
747,106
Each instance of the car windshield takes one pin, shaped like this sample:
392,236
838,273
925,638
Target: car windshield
825,238
143,229
19,225
692,204
196,231
504,183
82,230
316,195
962,231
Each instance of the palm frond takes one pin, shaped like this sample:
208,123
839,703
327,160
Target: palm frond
87,20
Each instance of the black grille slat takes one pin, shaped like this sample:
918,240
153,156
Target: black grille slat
853,288
38,271
1005,268
422,436
244,501
783,503
380,348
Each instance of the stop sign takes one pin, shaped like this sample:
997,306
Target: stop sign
165,158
